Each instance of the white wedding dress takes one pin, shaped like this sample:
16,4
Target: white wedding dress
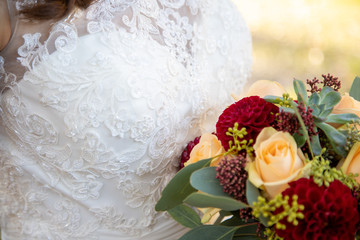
97,108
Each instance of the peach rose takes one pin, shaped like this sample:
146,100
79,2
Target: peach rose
278,161
209,146
262,88
352,161
347,104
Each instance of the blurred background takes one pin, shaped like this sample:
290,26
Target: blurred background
304,39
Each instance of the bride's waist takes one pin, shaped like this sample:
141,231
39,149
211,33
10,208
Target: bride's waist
64,194
164,228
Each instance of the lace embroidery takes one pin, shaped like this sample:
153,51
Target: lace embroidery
177,32
92,148
109,218
23,207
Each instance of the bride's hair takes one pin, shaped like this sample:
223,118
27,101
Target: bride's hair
53,9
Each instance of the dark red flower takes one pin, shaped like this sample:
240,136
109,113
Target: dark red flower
330,213
328,80
186,153
253,113
287,122
232,176
308,119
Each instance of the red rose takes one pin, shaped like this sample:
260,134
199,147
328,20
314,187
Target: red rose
253,113
330,213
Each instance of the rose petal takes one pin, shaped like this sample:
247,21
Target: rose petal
352,161
277,162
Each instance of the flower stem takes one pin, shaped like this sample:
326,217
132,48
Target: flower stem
303,127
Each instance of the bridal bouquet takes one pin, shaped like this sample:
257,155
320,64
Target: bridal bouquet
276,168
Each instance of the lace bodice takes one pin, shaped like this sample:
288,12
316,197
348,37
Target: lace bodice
96,109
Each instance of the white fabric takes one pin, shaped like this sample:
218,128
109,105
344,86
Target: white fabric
96,109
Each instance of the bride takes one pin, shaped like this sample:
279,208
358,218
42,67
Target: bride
97,107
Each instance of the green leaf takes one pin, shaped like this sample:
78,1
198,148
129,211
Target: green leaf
324,114
321,107
246,237
315,144
212,232
355,89
205,180
316,111
314,99
288,110
325,90
222,215
233,221
300,91
330,99
248,229
336,138
252,194
303,128
342,118
299,139
185,216
179,186
204,200
273,99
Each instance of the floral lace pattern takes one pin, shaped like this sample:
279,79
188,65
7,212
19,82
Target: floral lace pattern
93,131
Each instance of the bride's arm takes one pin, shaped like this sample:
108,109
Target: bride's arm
5,27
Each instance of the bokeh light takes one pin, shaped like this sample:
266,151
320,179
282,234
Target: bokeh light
304,39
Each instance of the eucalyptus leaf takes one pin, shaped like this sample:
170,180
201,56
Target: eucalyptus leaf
248,229
233,221
300,91
252,194
342,118
222,215
315,144
213,232
273,99
246,237
336,138
179,186
204,200
185,216
288,110
299,139
205,180
355,89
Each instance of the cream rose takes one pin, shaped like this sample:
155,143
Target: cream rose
278,161
347,104
262,88
352,161
209,146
